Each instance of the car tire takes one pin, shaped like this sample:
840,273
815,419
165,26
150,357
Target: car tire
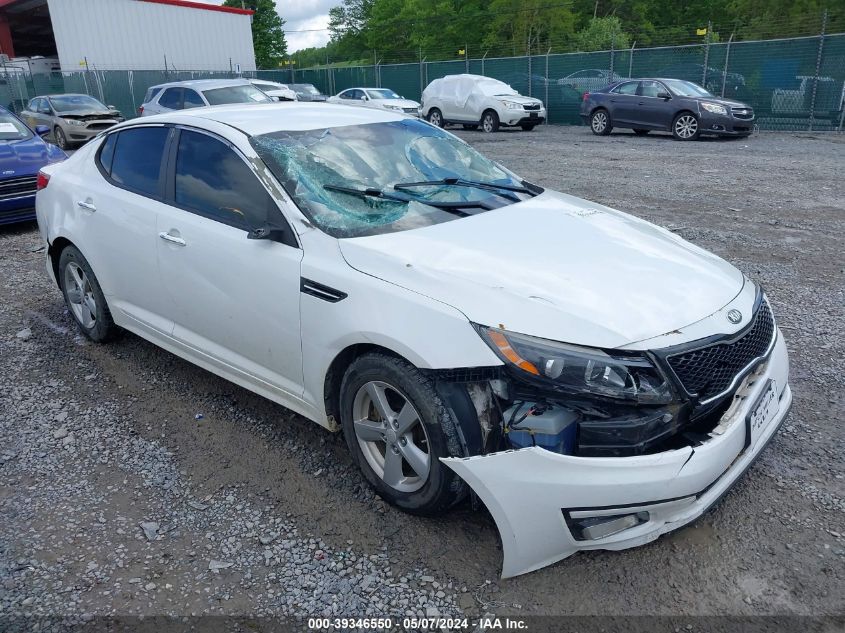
686,127
435,117
471,126
527,127
490,121
60,138
600,122
641,132
412,478
84,297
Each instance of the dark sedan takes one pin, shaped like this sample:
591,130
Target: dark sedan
667,105
22,153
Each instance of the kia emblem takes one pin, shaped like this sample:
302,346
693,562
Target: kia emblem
734,316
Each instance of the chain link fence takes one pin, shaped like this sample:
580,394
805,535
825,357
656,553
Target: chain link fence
792,84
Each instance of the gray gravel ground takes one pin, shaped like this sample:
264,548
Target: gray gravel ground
116,497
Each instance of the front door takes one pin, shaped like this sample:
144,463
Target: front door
236,300
654,112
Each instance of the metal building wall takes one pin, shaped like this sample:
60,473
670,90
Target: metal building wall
137,35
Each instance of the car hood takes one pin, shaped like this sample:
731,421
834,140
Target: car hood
556,267
518,99
402,103
728,103
25,158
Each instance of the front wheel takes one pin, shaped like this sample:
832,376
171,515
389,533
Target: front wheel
686,127
84,297
60,138
397,428
490,121
435,117
600,123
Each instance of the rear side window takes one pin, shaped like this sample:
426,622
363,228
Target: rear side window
107,153
628,88
213,181
172,98
192,99
151,93
136,162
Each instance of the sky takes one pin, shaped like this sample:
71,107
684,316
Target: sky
302,15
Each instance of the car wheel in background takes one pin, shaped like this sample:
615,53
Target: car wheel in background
60,138
490,121
470,126
641,132
397,428
600,122
435,117
685,127
84,297
527,127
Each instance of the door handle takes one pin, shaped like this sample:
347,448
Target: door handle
167,237
88,206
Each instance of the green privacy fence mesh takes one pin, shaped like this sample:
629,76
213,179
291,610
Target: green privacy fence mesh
793,84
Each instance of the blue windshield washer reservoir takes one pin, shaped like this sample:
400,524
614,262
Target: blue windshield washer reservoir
547,426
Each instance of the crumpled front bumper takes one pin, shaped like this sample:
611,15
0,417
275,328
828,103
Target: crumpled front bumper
530,491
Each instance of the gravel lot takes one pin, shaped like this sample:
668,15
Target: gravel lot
134,483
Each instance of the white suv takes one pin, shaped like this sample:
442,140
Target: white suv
473,100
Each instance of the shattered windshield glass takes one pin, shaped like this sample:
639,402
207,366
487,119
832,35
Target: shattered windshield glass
372,159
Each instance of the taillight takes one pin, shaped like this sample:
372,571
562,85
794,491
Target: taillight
42,182
586,96
141,110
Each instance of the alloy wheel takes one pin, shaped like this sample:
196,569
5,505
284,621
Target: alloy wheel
599,122
80,295
686,126
392,436
61,139
434,118
487,123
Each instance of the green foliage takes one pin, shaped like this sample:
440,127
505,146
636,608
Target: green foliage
268,37
601,34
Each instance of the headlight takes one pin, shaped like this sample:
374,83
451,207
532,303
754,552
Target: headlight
715,108
512,105
393,107
73,121
581,370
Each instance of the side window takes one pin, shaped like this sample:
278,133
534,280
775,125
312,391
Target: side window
628,88
137,159
650,88
192,99
213,181
33,105
172,98
107,153
151,94
44,106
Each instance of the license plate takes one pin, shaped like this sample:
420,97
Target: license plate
762,412
533,115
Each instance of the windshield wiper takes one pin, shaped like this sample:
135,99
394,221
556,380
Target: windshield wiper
460,182
456,208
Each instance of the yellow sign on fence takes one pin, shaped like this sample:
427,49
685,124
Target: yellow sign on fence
701,31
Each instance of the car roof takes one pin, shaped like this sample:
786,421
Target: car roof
263,118
204,84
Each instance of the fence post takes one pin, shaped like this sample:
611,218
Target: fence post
612,51
706,54
631,61
420,73
546,102
727,59
466,56
529,67
818,68
482,61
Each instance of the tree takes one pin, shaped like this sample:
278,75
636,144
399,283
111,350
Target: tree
601,34
268,38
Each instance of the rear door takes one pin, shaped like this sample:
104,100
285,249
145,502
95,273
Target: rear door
235,300
170,99
624,102
117,201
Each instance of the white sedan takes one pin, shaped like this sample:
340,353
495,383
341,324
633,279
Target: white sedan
380,98
595,379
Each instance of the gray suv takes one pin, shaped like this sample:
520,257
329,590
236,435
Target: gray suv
180,95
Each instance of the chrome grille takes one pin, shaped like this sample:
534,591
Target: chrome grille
708,371
17,187
532,106
745,114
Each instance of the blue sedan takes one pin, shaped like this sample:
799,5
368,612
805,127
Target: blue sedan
22,153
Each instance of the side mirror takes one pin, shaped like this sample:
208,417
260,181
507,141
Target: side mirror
42,130
663,95
111,107
364,98
268,232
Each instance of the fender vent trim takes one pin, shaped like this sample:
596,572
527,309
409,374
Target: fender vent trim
321,291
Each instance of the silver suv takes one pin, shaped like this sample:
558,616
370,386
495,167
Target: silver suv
181,95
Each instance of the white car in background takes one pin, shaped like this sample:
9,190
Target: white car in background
380,98
589,79
184,95
279,92
595,379
473,100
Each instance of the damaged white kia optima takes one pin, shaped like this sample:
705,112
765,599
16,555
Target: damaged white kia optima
596,380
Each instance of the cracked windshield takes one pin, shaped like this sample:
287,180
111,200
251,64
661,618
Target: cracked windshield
377,178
